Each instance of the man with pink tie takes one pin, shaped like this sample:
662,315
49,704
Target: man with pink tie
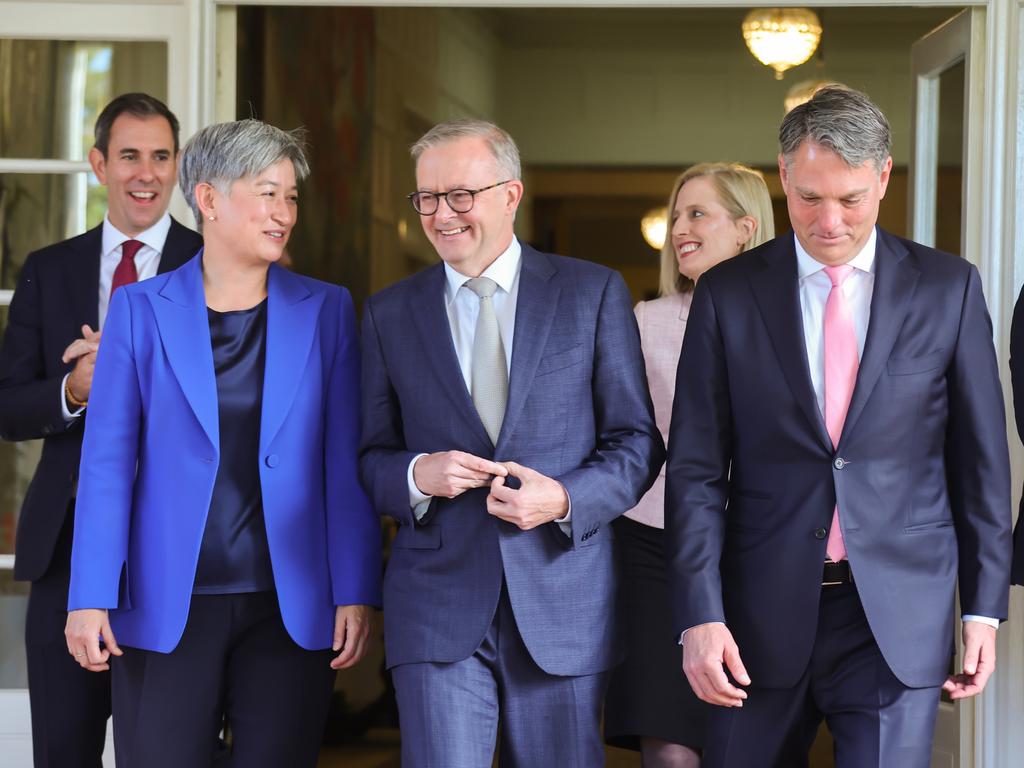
837,467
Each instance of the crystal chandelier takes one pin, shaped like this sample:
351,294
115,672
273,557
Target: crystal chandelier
781,38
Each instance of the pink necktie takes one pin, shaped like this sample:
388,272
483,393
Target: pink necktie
125,272
840,377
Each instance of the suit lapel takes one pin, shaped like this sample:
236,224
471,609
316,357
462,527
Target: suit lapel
535,311
292,324
179,247
82,277
429,316
896,279
180,310
776,288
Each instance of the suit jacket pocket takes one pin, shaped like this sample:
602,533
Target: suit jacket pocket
418,537
556,361
906,366
929,526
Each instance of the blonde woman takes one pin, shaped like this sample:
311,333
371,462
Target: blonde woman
716,211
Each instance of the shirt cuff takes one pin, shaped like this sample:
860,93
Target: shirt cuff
418,500
565,522
68,415
683,633
982,620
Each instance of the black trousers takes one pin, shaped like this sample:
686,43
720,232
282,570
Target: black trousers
876,721
69,705
235,661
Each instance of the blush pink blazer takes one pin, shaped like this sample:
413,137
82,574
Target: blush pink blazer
662,323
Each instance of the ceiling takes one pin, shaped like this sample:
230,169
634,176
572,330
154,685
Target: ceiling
685,27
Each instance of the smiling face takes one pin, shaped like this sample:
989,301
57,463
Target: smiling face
468,242
254,220
703,231
832,207
139,171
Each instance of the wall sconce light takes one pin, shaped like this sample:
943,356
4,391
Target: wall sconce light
654,227
781,38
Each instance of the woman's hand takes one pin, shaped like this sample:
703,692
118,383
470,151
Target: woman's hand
351,632
83,631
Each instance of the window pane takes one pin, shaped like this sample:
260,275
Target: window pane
39,209
59,87
13,604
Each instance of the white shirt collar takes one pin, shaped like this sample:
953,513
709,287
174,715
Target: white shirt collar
807,265
503,270
154,237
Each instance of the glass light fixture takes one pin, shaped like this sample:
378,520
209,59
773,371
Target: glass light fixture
781,38
654,227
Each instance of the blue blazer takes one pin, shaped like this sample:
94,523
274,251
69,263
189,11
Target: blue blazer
578,411
150,457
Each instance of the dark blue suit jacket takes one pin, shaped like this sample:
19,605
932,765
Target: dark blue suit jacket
1017,379
923,488
578,411
150,459
58,292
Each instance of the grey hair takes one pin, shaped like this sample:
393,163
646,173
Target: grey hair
842,120
222,153
503,147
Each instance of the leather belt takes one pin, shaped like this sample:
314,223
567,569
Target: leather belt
834,574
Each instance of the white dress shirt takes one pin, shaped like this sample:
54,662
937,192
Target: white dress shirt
857,289
147,260
463,307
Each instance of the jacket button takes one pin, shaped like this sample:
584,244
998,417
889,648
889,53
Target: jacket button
272,460
821,533
839,463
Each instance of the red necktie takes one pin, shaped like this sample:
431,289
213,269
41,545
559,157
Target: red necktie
840,377
126,272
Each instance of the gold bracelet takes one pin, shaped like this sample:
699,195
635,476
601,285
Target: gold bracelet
73,401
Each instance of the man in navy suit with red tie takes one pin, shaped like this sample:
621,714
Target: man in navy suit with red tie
837,469
46,366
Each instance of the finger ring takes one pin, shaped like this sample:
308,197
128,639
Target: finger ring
79,655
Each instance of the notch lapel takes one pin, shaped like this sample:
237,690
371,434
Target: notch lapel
535,311
776,288
895,282
180,311
428,314
292,324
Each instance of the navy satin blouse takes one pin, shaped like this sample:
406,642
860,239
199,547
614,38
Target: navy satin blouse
234,556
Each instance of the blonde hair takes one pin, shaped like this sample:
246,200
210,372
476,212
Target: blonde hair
741,191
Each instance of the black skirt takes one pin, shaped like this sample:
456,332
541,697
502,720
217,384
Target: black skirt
648,695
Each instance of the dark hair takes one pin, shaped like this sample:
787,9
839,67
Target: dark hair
140,105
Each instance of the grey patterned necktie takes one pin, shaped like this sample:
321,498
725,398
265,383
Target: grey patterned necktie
488,372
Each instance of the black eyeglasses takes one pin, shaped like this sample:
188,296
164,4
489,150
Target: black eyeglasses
459,200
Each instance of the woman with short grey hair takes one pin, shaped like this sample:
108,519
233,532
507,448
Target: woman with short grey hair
224,550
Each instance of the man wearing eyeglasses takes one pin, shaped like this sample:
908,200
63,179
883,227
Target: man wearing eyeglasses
506,423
